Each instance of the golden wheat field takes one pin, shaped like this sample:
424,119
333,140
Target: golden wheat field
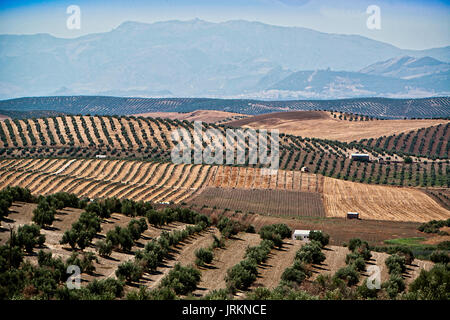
380,202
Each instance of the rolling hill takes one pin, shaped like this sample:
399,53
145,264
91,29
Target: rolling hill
376,107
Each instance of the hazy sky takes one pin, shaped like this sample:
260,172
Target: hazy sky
411,24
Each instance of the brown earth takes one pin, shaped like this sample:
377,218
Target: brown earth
213,276
380,202
320,124
209,116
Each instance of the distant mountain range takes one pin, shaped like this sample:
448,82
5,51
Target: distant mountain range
397,77
231,59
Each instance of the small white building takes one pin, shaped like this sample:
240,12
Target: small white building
100,156
352,215
304,169
300,235
360,157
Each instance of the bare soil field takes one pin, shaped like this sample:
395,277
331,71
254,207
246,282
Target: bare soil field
213,277
22,213
279,259
320,124
340,230
270,202
209,116
374,202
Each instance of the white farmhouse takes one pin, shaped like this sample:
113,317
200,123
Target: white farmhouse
300,235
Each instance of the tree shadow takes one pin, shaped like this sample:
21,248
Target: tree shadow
110,258
99,236
7,220
210,267
51,228
139,245
320,268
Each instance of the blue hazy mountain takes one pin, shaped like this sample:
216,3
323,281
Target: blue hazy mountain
183,58
327,84
407,67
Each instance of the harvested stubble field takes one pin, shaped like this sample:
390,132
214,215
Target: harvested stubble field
321,124
148,181
253,178
270,202
94,178
380,202
209,116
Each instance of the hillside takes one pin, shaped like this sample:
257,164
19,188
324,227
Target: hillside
211,277
430,142
325,125
407,67
102,105
286,194
327,84
149,139
209,116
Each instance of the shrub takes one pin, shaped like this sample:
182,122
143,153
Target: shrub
348,274
228,227
396,264
354,243
440,257
319,236
10,257
86,263
104,248
148,260
182,280
130,271
219,294
44,214
111,288
120,237
28,236
431,285
218,243
204,256
310,253
365,292
444,245
297,273
250,229
394,285
259,253
242,275
137,227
